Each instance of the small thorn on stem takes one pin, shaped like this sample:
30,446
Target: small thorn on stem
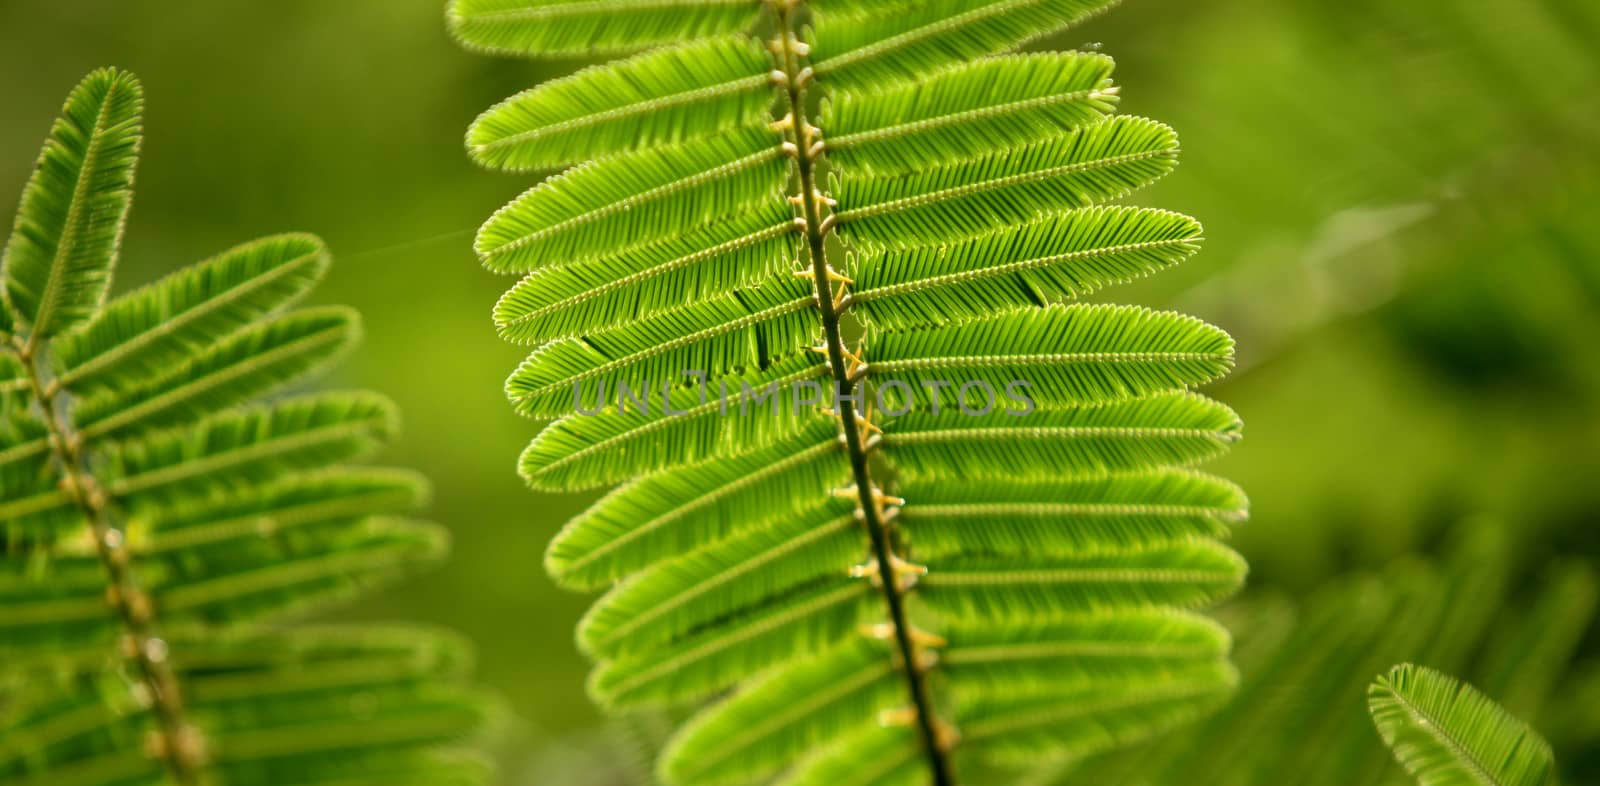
137,606
926,639
155,650
186,748
903,716
887,499
882,631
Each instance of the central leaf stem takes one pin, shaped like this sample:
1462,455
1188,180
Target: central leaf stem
806,139
174,740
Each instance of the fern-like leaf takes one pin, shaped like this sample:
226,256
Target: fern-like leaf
805,291
1447,733
163,511
821,699
923,37
673,512
1117,352
1008,186
610,206
58,261
969,110
646,280
659,98
149,331
584,27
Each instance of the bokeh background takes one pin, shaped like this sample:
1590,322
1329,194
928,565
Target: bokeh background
1402,202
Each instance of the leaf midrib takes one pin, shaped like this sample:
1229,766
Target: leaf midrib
180,320
182,471
965,509
68,242
1015,432
1001,653
331,334
661,423
1431,726
913,36
640,107
641,276
723,578
905,203
709,498
1065,575
361,561
1041,359
1004,723
897,130
277,519
947,279
588,6
741,164
730,746
177,473
843,593
720,329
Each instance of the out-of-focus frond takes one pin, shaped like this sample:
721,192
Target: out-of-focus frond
1445,732
155,522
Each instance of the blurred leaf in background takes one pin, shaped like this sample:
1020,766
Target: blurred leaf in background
344,119
1415,284
1412,284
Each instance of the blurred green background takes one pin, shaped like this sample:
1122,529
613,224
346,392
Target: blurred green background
1402,204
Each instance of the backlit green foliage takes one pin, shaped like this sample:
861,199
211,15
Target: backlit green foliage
873,197
1446,733
164,502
